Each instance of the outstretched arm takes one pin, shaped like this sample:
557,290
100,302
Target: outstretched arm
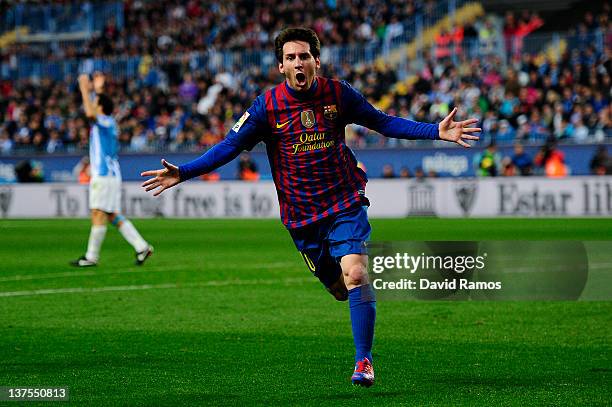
163,179
219,155
457,132
243,136
360,111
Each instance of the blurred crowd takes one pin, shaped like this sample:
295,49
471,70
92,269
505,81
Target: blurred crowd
172,27
535,98
186,116
531,102
477,37
174,107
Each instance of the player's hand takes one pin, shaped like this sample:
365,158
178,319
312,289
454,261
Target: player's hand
457,132
84,83
163,179
98,81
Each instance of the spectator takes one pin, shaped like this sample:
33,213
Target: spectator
247,169
601,163
419,174
188,91
405,173
486,35
387,171
488,162
394,31
6,144
55,143
470,34
29,171
81,171
139,139
443,44
38,142
508,167
509,32
552,160
521,160
211,177
505,133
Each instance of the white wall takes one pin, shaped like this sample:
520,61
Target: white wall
531,196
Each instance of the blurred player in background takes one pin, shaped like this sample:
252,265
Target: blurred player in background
105,183
320,188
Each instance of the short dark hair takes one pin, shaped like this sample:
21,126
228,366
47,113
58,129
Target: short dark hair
107,104
297,34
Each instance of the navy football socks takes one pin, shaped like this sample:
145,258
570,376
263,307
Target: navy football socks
362,304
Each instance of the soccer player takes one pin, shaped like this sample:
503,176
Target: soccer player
105,183
321,190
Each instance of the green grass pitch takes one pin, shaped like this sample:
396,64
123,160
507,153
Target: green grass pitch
226,313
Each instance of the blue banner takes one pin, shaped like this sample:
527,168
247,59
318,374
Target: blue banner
445,161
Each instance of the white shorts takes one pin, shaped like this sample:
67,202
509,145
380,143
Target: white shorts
105,194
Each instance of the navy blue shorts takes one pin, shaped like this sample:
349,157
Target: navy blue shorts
323,243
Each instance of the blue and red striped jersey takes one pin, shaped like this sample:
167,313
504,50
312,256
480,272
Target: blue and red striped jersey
315,173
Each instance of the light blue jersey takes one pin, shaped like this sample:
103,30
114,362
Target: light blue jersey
103,147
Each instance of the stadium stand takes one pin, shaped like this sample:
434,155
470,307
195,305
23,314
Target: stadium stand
182,74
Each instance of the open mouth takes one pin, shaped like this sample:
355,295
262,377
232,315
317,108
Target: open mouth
300,77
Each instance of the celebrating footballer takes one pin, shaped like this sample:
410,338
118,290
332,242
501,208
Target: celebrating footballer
321,190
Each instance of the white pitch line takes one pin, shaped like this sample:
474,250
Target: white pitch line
90,272
159,269
21,277
600,266
220,283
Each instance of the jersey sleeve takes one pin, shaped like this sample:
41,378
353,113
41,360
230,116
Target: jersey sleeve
360,111
244,135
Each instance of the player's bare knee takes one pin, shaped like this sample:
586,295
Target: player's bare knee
98,217
355,275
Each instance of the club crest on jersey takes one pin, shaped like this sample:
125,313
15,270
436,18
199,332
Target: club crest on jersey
330,112
308,118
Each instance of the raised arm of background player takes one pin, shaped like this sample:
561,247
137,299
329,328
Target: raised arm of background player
247,132
85,86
